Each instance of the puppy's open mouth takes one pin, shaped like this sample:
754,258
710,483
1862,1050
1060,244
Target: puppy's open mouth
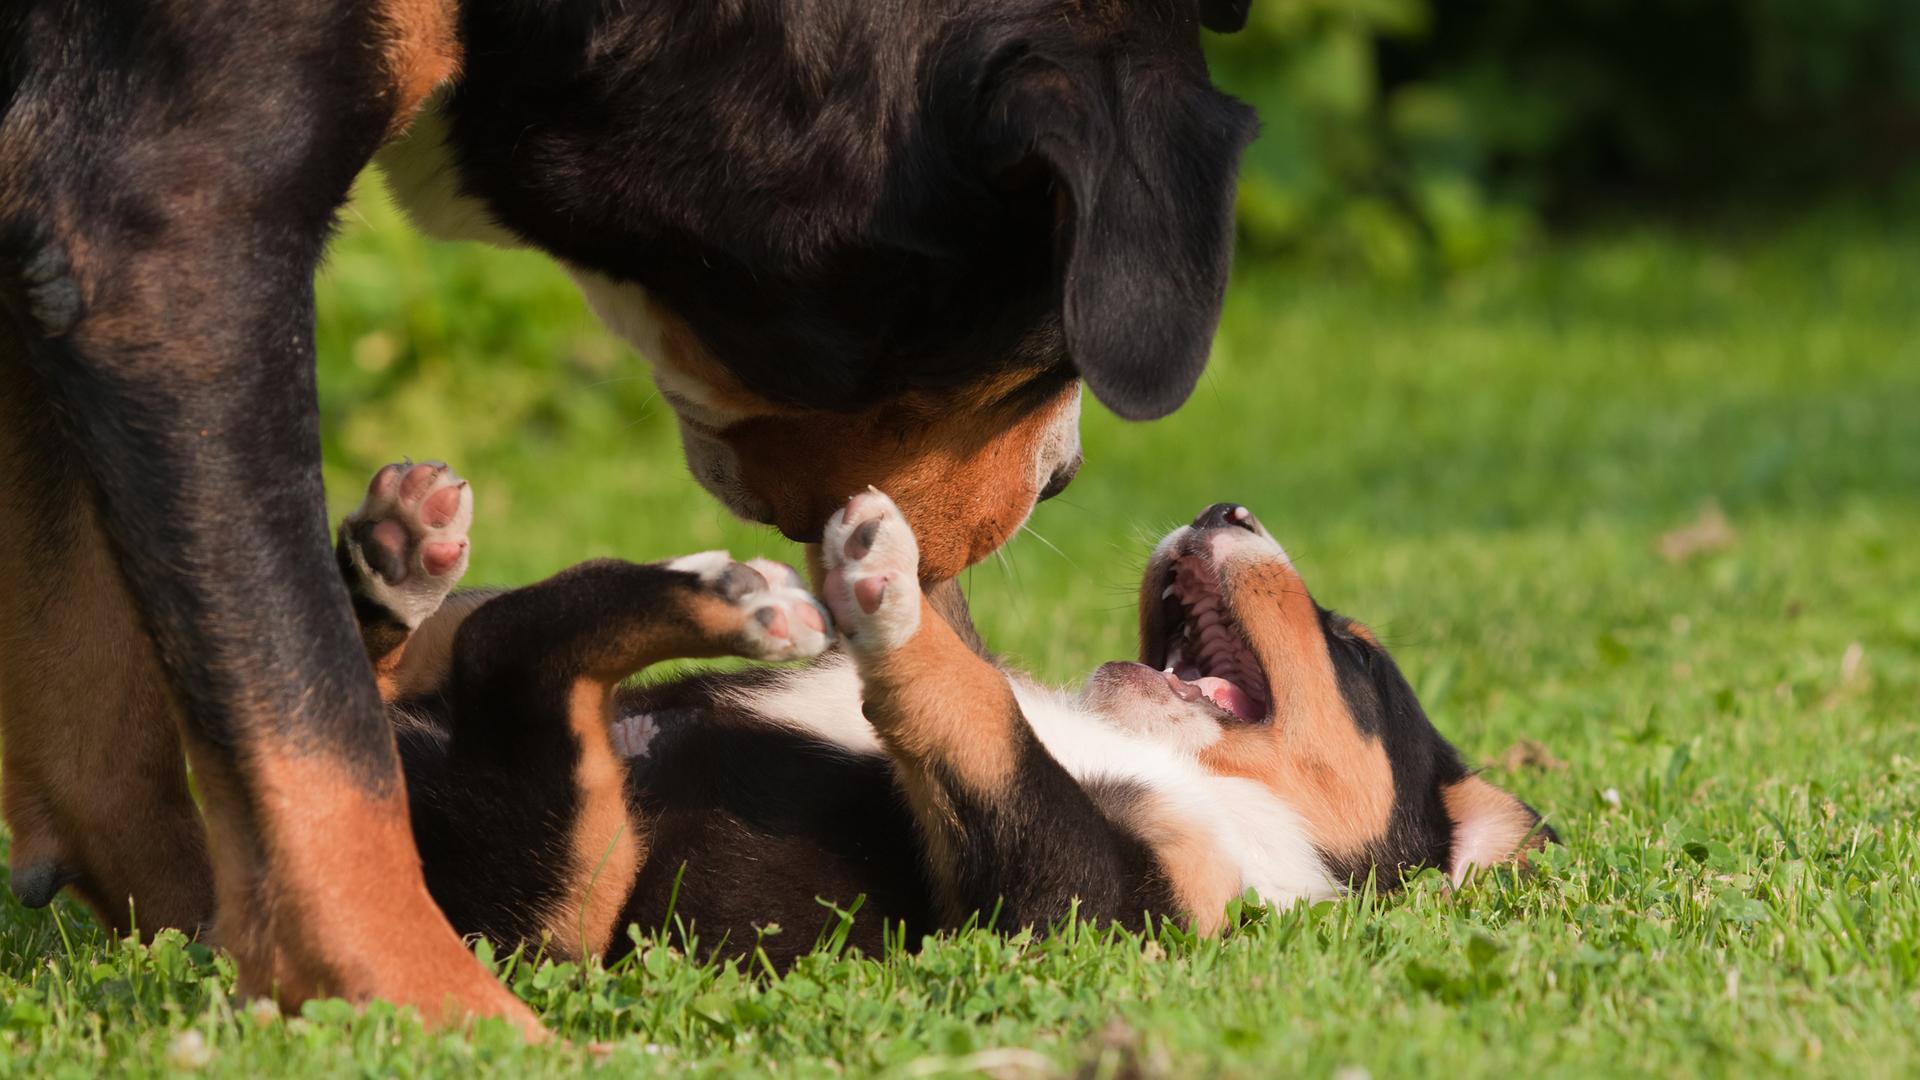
1195,641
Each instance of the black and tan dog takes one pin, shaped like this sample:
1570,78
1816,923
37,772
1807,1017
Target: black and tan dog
1262,743
904,227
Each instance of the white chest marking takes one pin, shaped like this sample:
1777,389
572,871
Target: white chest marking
1252,826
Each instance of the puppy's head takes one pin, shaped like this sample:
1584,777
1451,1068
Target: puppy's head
1241,668
917,249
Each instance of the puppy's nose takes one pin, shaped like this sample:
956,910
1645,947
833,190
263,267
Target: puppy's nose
1061,477
1221,515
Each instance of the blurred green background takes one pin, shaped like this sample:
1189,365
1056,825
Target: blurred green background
1415,136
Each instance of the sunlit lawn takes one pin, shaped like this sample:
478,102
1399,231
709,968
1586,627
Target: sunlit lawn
1729,740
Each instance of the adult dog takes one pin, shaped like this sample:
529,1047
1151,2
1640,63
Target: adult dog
882,239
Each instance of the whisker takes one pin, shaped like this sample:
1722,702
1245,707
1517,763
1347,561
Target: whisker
1030,531
1007,566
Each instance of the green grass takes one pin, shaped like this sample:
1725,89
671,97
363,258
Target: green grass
1483,472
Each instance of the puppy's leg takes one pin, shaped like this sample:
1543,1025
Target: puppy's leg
401,552
1006,826
524,825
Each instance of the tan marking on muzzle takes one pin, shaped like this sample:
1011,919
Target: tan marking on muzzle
1313,754
961,468
961,463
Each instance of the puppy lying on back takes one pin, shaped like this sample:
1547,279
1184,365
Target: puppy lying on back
1263,742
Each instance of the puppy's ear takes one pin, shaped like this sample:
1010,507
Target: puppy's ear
1490,827
1224,16
1143,173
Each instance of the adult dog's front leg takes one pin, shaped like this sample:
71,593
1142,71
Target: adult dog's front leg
169,180
1006,827
520,806
90,742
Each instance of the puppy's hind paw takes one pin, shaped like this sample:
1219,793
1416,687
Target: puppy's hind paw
776,617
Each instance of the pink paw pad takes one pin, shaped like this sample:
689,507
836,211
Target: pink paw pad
872,573
409,538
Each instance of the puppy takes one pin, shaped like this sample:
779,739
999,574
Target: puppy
1260,742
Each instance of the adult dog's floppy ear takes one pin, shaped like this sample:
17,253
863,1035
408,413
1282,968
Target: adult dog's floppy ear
1224,16
1143,175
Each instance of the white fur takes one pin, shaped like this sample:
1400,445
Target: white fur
1060,445
1478,843
624,307
894,555
1254,827
784,590
1251,824
632,735
424,182
421,593
822,700
706,565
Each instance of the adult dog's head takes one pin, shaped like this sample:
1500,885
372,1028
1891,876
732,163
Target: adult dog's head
871,243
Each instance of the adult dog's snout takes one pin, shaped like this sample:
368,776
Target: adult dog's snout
1063,475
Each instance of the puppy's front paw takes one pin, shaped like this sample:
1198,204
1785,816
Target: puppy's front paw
873,573
777,618
408,539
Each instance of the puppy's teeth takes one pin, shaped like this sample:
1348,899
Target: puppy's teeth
1169,591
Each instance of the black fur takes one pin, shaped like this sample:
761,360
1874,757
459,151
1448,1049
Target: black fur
180,368
845,200
861,198
1420,832
754,826
1027,859
750,823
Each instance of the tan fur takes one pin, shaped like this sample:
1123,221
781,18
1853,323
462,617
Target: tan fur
960,463
933,701
420,50
607,847
961,471
1497,821
945,715
94,778
685,361
1203,878
1336,777
322,854
421,662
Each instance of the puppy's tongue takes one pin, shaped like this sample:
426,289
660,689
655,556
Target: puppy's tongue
1227,696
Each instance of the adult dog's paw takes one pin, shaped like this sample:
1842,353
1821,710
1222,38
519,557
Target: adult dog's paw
777,618
408,539
873,573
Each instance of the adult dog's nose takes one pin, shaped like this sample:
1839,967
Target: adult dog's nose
1061,477
1221,515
